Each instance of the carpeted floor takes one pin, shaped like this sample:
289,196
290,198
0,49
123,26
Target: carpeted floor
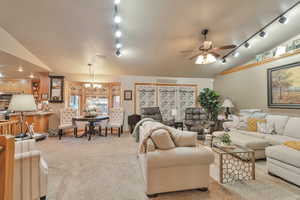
107,169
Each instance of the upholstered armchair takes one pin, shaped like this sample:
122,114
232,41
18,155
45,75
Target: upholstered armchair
116,120
154,113
196,120
30,172
66,116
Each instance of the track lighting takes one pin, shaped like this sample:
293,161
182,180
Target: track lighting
118,53
263,34
283,20
117,19
118,45
247,45
236,54
118,33
117,2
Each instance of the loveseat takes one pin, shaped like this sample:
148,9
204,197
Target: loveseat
184,166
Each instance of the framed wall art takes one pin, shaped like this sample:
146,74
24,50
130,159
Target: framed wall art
56,89
127,95
284,86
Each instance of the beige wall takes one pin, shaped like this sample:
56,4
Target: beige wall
248,88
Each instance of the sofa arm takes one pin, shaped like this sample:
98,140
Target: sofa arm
30,176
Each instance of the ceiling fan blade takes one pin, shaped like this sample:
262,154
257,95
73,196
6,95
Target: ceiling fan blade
193,57
187,51
215,54
232,46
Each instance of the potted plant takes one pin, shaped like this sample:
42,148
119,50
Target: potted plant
225,139
210,102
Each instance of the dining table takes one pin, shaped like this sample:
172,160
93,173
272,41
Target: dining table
91,123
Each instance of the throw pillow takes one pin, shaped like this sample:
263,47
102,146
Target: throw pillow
162,139
265,127
252,123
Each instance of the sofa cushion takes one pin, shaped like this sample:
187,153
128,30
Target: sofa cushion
292,127
162,139
251,133
279,121
180,156
279,139
284,154
184,138
251,142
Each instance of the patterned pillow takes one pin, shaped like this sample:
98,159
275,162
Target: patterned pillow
252,123
266,127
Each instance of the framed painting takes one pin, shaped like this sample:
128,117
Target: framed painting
284,86
127,95
56,89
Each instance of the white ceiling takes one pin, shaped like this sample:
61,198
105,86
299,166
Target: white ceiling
66,34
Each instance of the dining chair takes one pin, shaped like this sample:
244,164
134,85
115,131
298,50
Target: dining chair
116,120
66,122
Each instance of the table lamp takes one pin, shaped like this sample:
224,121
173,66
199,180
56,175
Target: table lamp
227,104
22,103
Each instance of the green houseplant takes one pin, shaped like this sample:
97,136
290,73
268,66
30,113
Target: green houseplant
210,101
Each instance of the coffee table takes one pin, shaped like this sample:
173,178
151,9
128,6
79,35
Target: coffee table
233,164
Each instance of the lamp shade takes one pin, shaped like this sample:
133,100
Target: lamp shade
227,103
22,103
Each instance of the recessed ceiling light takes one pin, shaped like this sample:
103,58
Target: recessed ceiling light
20,69
118,34
118,45
117,1
283,20
117,19
263,34
247,45
236,54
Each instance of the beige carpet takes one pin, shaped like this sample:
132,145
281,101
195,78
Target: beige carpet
107,169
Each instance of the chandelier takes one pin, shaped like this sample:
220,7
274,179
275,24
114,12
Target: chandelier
92,83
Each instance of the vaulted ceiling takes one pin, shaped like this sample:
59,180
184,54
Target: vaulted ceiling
67,34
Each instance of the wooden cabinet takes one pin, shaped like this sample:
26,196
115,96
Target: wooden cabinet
15,85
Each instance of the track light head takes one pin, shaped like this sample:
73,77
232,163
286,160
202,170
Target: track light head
118,33
247,45
118,45
236,54
118,53
263,34
117,2
223,61
283,20
117,19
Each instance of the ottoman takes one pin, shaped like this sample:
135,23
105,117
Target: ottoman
284,162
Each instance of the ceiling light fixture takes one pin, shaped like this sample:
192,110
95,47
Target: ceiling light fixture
117,19
205,59
247,45
117,2
118,45
20,69
31,75
263,34
223,61
283,20
236,54
1,75
118,33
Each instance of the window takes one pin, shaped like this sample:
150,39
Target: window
75,102
98,103
116,101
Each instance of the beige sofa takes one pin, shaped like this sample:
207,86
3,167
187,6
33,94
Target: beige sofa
282,161
30,173
184,167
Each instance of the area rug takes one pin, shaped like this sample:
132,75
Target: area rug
106,168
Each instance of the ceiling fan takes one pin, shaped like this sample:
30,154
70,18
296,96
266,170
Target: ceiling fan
206,53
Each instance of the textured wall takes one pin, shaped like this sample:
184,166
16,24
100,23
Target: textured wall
248,88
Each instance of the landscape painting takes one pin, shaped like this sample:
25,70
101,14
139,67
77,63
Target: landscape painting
284,86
